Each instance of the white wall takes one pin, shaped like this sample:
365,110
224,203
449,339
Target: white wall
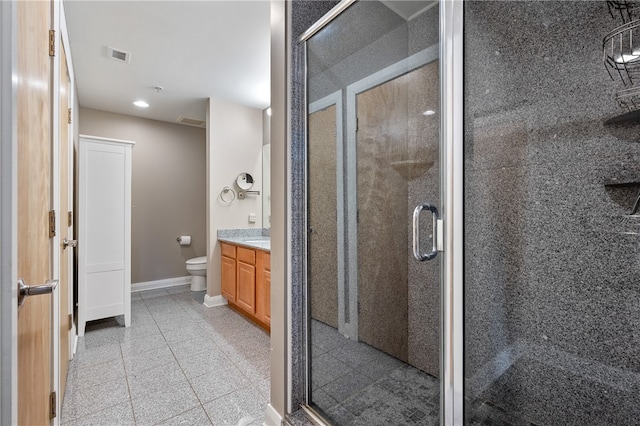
279,403
234,145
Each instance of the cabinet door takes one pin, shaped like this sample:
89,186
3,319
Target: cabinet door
229,278
267,296
263,290
246,296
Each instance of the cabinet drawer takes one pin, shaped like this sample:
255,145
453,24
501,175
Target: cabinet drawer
228,250
247,255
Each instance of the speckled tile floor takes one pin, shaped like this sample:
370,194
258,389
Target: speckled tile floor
356,384
178,363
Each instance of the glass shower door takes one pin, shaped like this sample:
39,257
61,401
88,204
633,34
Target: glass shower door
374,317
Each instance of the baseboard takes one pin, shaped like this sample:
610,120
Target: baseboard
75,342
153,285
271,417
213,301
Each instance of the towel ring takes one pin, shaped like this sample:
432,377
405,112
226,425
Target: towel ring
226,190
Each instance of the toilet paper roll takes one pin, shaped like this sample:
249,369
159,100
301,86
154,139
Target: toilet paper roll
184,240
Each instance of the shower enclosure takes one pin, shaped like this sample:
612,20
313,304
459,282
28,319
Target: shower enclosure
470,253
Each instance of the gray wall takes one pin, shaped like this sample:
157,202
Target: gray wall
551,254
168,190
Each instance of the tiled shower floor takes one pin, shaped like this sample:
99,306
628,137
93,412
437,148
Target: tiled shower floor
356,384
178,363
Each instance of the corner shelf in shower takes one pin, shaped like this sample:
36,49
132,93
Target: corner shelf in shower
632,117
622,182
411,169
620,190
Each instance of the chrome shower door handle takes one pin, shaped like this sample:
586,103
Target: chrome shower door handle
416,232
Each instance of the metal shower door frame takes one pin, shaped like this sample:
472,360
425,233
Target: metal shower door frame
452,167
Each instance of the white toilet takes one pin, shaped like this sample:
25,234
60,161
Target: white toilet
197,267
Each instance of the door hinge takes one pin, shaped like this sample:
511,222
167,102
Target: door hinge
52,223
357,124
52,42
70,321
69,219
52,405
70,115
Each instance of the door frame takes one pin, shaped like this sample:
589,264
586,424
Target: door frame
62,38
55,206
8,218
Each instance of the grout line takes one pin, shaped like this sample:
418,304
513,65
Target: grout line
189,381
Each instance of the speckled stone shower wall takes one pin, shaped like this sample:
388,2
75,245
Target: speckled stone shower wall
552,257
300,16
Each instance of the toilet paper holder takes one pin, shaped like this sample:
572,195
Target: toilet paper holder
184,240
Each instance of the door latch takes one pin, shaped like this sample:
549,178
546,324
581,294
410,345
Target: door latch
25,290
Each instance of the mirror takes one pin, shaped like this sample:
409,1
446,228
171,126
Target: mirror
244,181
266,186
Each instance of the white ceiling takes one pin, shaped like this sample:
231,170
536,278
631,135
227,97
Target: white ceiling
194,50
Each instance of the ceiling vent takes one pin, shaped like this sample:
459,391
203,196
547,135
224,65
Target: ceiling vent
118,55
191,121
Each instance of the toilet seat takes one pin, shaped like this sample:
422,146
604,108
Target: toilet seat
197,264
197,260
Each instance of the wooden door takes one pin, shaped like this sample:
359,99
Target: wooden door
392,158
66,253
323,217
34,201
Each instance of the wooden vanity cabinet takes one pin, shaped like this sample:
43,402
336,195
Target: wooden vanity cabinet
246,282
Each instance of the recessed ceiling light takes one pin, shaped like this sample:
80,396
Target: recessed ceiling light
429,112
141,104
269,111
